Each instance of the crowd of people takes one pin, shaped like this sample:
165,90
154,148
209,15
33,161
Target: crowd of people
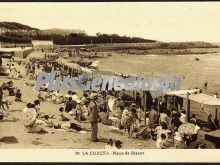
163,119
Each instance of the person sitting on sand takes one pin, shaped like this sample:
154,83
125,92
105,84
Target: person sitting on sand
70,106
19,75
31,76
40,96
62,116
74,96
18,96
46,121
6,116
179,143
57,98
37,105
118,144
163,129
175,119
70,127
44,95
183,116
68,95
31,124
164,117
9,86
193,119
110,144
104,118
160,141
63,122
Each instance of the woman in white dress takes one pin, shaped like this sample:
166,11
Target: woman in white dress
8,70
13,71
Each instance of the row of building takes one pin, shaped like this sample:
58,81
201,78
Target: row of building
22,50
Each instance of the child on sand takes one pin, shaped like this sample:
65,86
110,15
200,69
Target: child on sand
18,96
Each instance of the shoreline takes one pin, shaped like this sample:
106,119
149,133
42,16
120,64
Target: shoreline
165,52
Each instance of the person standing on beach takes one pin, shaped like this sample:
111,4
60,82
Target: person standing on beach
33,68
1,97
27,69
93,114
0,60
216,95
13,71
153,116
206,85
138,100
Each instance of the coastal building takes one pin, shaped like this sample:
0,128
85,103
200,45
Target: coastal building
21,52
42,44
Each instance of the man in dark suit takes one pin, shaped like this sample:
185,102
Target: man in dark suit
153,116
93,114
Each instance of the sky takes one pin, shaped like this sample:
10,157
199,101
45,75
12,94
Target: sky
163,21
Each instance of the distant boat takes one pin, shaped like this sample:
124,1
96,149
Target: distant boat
197,59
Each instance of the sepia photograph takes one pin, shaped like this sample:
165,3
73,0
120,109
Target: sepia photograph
110,76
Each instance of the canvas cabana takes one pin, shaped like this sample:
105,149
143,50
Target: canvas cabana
196,96
72,67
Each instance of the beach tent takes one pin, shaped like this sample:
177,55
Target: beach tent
194,95
67,63
181,92
86,70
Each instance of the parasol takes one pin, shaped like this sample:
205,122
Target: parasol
186,129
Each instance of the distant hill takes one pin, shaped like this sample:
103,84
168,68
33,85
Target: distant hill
195,44
13,32
216,43
62,32
8,26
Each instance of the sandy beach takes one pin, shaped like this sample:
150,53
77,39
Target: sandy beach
60,139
